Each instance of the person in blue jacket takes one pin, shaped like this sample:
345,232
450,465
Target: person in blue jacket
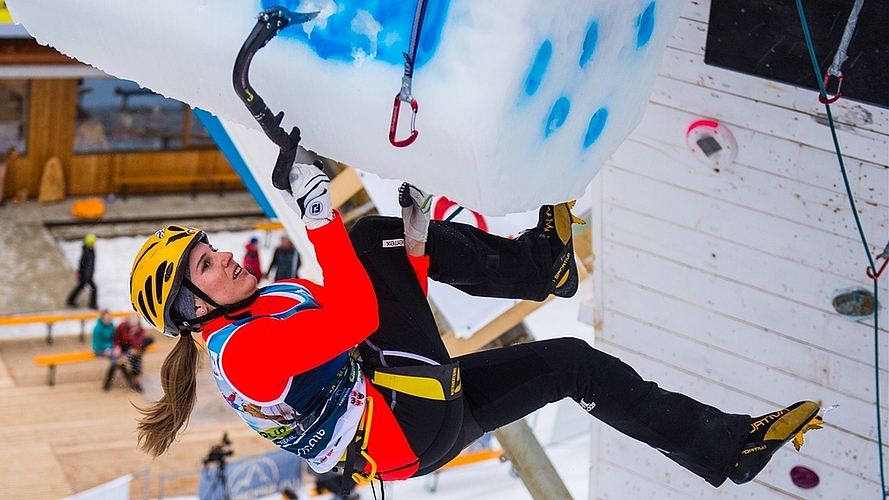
285,261
102,334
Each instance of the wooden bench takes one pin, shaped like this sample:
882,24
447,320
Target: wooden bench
123,184
51,360
50,319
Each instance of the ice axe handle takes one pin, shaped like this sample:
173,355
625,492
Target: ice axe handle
286,157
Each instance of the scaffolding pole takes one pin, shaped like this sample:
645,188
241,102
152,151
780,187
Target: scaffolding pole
530,462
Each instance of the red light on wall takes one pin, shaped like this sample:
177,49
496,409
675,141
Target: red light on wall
711,143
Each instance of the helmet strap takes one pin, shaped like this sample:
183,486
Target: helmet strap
197,291
194,324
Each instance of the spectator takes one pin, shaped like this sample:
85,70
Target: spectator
251,259
102,334
285,260
85,272
129,343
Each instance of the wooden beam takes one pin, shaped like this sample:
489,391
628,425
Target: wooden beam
530,461
345,185
28,51
492,331
498,326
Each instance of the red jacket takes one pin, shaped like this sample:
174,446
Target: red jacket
261,357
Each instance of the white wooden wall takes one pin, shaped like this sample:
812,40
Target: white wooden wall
718,284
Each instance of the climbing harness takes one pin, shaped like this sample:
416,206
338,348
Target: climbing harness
835,68
268,24
436,382
353,473
404,95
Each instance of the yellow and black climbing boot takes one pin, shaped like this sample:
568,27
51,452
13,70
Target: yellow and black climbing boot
770,432
554,222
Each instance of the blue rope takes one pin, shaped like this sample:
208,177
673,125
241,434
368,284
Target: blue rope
836,145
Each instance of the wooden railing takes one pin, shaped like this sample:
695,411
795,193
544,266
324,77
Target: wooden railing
51,319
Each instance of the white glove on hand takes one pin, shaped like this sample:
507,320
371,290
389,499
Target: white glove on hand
415,206
311,195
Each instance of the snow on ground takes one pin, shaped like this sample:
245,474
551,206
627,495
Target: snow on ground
114,257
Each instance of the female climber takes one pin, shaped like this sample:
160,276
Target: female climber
354,371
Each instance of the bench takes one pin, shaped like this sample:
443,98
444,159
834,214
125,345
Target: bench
51,360
50,319
123,184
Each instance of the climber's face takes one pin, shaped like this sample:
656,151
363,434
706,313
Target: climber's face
219,276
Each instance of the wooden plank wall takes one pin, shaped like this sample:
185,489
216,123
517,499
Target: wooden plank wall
51,111
92,174
51,126
718,284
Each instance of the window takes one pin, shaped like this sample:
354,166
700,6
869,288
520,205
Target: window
118,115
13,115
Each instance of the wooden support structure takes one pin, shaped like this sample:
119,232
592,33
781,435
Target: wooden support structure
498,326
344,186
531,463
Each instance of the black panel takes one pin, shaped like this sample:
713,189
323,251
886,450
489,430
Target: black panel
765,38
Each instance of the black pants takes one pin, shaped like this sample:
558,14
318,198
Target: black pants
503,385
77,289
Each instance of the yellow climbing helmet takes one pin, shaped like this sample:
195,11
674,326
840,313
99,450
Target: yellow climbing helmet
157,275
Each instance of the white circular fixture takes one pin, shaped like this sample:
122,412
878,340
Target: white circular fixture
711,143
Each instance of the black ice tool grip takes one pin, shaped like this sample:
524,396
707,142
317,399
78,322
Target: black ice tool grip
268,24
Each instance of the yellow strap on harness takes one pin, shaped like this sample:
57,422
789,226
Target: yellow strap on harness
364,435
421,387
436,382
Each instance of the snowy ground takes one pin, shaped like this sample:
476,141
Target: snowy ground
114,256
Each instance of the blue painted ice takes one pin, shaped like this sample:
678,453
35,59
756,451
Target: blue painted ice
362,29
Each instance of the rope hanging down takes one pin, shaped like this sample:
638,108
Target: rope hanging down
823,98
404,95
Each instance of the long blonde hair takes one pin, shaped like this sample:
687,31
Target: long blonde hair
162,422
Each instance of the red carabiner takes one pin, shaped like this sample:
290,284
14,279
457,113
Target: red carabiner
393,125
830,100
873,276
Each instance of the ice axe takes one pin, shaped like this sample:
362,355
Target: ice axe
268,24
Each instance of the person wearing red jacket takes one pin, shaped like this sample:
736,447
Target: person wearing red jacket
354,371
251,257
128,345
